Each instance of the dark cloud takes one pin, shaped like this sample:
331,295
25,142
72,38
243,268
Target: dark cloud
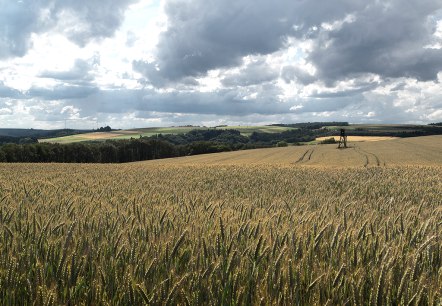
204,35
75,83
98,19
8,92
61,92
292,73
130,108
350,38
343,93
221,103
386,38
208,34
399,86
225,103
79,20
150,70
195,108
256,72
81,71
331,104
17,21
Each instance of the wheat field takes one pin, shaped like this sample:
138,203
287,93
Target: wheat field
419,151
240,232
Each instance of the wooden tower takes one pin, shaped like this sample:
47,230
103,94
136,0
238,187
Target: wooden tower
342,140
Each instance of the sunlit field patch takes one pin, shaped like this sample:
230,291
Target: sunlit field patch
359,138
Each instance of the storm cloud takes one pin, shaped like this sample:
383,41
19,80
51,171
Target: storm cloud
8,92
350,38
389,39
81,71
209,34
256,72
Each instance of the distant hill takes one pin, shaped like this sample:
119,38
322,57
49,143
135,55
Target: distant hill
37,133
153,131
264,133
24,132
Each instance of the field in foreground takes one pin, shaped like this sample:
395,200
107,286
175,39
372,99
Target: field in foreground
166,234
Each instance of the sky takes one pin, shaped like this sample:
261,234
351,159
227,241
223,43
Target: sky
141,63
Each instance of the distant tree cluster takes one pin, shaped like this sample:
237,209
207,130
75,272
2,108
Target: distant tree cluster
17,140
60,133
289,136
104,129
231,137
330,140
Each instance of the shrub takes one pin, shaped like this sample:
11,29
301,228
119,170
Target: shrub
328,141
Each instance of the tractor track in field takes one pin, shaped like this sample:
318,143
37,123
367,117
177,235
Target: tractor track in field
311,153
367,155
378,161
306,156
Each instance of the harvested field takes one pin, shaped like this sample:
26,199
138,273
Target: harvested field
101,135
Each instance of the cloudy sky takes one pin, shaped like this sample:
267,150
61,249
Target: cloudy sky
139,63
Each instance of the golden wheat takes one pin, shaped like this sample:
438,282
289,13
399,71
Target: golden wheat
166,234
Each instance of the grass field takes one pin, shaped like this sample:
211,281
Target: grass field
146,132
121,134
309,225
374,127
248,130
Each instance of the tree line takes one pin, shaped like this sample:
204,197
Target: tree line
121,151
118,151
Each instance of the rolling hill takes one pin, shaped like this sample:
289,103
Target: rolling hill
406,151
147,132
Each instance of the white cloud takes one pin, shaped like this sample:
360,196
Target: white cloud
171,62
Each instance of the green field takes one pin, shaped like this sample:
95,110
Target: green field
247,130
121,134
377,127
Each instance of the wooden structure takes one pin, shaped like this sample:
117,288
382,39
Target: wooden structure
342,140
